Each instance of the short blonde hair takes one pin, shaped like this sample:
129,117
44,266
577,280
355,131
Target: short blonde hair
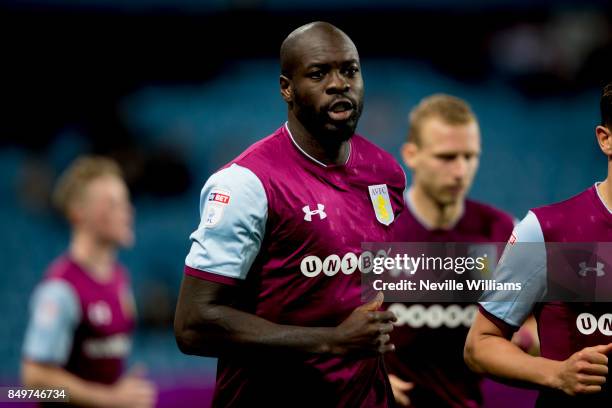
78,175
448,108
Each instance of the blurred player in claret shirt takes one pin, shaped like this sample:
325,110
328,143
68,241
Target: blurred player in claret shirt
79,333
442,153
573,367
272,280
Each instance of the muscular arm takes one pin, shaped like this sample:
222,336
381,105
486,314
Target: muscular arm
488,352
130,391
47,346
37,375
206,324
225,245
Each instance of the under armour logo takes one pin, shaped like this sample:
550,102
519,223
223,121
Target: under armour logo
308,214
584,269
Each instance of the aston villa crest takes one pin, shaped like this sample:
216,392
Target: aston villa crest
381,203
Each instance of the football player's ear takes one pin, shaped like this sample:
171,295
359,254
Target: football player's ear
409,152
286,89
604,138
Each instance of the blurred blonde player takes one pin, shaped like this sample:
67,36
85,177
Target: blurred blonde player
442,152
82,312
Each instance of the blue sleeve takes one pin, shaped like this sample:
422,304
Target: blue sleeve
54,315
233,212
524,261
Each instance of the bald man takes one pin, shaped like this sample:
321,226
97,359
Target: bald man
272,279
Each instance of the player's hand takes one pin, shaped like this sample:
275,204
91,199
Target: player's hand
400,390
134,391
585,371
366,330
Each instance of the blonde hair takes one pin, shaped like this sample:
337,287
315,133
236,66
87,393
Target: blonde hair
78,175
448,108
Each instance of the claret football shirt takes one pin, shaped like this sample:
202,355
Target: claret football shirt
287,231
429,337
564,327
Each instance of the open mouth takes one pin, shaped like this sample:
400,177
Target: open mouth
340,110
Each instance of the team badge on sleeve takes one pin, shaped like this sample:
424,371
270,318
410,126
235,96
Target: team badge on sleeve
215,205
47,313
509,245
382,203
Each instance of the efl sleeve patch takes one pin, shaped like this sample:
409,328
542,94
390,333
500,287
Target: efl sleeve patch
233,210
524,261
55,313
214,207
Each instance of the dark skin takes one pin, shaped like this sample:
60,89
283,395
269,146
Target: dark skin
206,322
321,73
207,325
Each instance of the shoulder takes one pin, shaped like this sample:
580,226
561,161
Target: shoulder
57,294
231,186
233,194
255,164
60,268
234,175
528,230
565,221
260,152
557,210
55,313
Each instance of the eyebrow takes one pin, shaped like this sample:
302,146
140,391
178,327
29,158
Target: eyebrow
318,65
326,64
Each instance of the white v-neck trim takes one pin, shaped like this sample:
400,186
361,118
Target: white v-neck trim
600,198
309,156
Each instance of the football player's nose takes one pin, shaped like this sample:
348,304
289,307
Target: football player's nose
460,168
337,84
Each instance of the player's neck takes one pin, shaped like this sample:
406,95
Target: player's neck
604,189
97,258
328,153
434,215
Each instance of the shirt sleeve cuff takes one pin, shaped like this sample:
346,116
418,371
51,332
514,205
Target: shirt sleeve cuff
506,328
213,277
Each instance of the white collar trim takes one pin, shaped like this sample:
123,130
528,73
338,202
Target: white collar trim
601,199
309,156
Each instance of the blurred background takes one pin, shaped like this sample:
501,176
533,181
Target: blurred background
173,89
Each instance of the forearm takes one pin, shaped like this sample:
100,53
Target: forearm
216,329
81,392
497,357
